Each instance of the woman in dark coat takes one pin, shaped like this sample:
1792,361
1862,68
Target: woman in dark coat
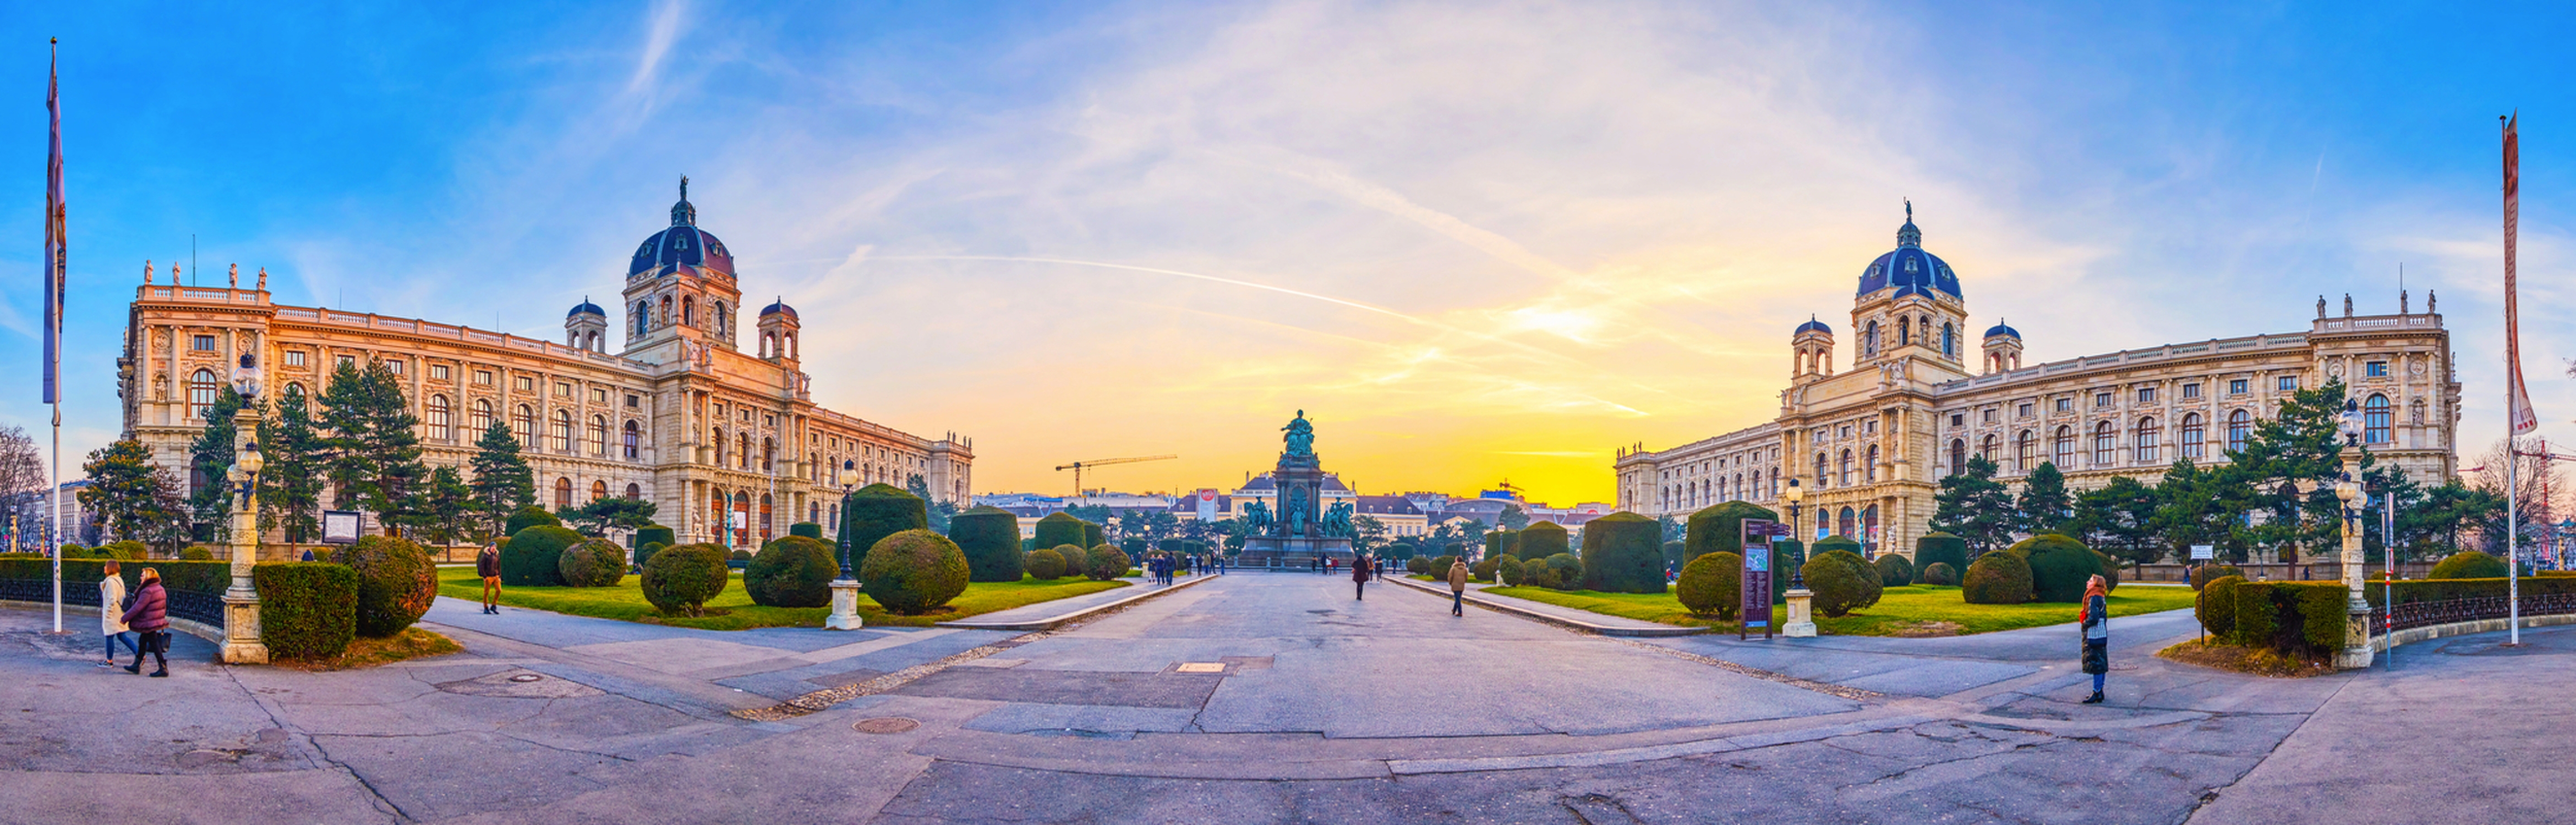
150,616
2095,618
1359,577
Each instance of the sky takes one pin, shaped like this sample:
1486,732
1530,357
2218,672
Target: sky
1474,242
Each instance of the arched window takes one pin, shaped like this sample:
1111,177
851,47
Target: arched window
1869,530
2104,440
2240,424
1904,331
634,440
2374,418
2193,433
765,533
742,512
1846,473
482,416
720,320
634,493
643,318
1958,456
599,436
1869,340
718,505
563,432
1950,341
598,490
441,418
768,455
202,389
2064,449
814,512
1869,471
523,425
1849,523
720,447
665,317
1822,480
2148,435
563,494
742,451
2022,448
1775,482
689,311
1986,449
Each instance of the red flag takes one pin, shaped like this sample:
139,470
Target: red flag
55,255
2517,399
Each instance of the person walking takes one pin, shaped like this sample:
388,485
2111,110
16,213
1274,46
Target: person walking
1458,588
111,616
1359,577
150,616
487,564
2095,618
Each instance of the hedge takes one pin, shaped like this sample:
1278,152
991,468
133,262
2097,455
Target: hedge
1622,553
914,572
396,583
651,533
1440,567
1045,564
1830,544
2469,564
2291,617
792,571
1937,548
592,563
534,556
1093,536
1105,563
874,512
644,552
1542,539
2411,591
307,609
2059,566
1894,570
990,538
1941,573
212,577
2215,606
529,516
1996,578
1508,570
1712,585
1504,543
199,552
2202,575
1059,529
1719,529
1841,582
1484,570
679,580
1563,568
1418,565
807,529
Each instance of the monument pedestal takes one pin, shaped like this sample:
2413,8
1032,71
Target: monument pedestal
1293,552
1802,617
845,606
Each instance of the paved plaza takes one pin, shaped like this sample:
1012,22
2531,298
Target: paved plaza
1275,698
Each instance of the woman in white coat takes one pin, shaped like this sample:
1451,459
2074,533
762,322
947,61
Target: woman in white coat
111,614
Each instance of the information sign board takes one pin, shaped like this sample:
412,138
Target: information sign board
341,526
1756,581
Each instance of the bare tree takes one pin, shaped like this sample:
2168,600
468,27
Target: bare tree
2537,481
22,483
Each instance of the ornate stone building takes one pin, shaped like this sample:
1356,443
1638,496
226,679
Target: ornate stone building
1870,444
728,443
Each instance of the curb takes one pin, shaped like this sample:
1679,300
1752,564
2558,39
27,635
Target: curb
1053,622
1560,621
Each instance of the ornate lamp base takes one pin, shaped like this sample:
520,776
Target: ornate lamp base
845,606
241,631
1802,617
2357,652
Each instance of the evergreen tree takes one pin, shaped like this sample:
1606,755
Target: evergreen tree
502,482
2043,506
613,512
1512,519
2197,506
446,504
1975,507
210,460
2298,444
351,466
939,509
124,492
2119,519
290,485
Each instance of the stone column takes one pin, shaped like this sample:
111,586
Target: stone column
241,601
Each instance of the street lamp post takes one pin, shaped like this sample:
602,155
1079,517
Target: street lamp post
1802,621
241,601
2357,651
845,590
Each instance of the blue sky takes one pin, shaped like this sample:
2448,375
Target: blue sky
1499,239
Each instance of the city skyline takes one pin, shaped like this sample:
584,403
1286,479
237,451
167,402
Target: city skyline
1075,234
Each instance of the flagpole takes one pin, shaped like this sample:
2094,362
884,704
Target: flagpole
55,254
2513,411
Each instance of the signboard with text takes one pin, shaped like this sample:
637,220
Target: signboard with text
2203,552
1756,582
340,526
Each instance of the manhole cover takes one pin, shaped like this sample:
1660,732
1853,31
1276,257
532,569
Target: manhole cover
526,677
885,724
1200,667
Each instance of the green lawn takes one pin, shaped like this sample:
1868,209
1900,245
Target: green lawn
1912,610
625,602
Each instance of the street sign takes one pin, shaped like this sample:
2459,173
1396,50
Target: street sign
2203,552
1755,582
341,526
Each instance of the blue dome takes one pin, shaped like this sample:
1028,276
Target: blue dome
587,308
1909,269
2002,330
1813,325
682,245
779,308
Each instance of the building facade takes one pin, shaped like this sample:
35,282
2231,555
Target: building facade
728,443
1871,443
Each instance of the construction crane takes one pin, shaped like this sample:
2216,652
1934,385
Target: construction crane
1078,466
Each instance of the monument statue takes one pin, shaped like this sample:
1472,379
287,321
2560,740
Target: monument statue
1337,521
1292,513
1256,519
1301,436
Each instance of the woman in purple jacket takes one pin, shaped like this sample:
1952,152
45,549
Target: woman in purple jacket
150,616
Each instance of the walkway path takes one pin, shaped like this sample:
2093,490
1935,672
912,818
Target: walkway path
1273,698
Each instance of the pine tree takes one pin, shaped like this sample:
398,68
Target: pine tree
2043,505
502,482
940,510
210,459
124,493
445,502
352,467
290,486
1975,507
374,443
1512,518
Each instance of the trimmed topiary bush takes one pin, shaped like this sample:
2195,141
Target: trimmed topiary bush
1059,529
1786,555
679,580
1841,582
1623,553
307,610
1418,565
874,512
2468,564
197,552
1503,543
1105,563
1045,564
127,550
1508,570
1092,535
1673,555
1938,548
1996,578
1483,571
1440,567
1941,573
2059,566
529,516
807,529
990,537
396,583
1712,585
2110,568
795,571
645,551
1719,528
914,571
1894,570
1830,544
1564,571
1543,539
2215,605
2201,576
652,533
534,556
593,563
